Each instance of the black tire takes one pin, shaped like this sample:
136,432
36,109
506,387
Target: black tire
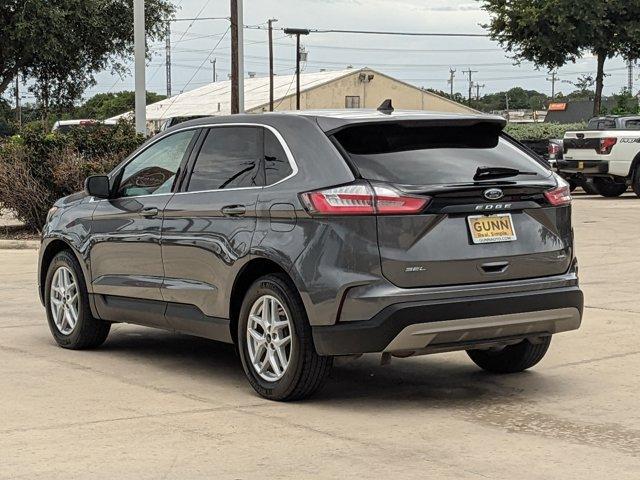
588,187
512,358
88,332
609,188
635,184
572,184
306,371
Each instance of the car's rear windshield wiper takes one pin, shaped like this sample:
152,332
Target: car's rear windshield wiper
496,172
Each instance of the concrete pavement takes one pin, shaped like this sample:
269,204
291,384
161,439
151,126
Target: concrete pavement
154,405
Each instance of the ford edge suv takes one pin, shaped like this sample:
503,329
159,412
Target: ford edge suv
305,236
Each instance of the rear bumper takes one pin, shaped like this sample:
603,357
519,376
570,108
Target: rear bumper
442,325
585,167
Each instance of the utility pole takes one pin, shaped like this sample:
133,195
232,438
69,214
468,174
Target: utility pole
18,105
630,78
470,73
297,32
139,54
168,58
271,21
554,78
478,87
237,58
215,76
452,74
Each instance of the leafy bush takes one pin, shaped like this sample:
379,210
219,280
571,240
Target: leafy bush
541,131
38,167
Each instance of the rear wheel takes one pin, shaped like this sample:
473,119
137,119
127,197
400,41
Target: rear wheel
608,187
572,184
588,187
512,358
635,184
275,342
67,304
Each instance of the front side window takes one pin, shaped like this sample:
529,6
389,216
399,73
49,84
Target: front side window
154,170
229,158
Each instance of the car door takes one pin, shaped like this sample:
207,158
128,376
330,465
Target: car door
208,229
125,253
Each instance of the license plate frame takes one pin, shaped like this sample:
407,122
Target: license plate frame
502,228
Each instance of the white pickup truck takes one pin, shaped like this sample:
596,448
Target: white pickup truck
607,153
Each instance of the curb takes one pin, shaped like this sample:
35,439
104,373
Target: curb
19,244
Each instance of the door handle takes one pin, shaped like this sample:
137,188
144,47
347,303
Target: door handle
234,210
149,212
494,267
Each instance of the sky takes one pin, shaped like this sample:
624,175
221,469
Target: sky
422,61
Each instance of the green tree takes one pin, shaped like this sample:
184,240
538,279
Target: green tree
551,33
60,44
107,105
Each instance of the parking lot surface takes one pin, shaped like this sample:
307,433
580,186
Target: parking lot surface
150,404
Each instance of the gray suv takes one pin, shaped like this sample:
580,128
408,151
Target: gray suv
304,236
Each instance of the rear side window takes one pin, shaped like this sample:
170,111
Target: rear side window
632,124
429,155
276,163
229,158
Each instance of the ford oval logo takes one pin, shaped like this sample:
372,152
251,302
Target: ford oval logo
493,194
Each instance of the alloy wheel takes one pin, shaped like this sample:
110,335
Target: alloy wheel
64,300
269,338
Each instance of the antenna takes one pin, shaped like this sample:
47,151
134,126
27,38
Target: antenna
386,107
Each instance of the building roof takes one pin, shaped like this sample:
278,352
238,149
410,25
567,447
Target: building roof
215,98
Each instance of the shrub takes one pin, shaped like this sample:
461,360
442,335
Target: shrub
38,167
541,131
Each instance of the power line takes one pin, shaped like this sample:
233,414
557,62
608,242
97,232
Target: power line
384,32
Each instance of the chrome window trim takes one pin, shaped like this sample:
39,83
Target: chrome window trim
278,135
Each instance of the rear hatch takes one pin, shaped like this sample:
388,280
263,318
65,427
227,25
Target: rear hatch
492,210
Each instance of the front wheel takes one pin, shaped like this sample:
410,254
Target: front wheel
275,342
609,188
512,358
67,304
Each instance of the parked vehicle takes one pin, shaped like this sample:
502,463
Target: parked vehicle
607,153
304,236
65,126
555,150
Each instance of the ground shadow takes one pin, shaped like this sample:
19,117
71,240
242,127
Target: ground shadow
434,380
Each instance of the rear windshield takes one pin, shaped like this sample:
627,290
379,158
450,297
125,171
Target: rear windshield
601,124
410,155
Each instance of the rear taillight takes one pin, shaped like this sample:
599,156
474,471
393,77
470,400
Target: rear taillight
362,199
554,149
561,195
606,144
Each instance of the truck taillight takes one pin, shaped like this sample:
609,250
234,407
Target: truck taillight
606,144
362,199
554,149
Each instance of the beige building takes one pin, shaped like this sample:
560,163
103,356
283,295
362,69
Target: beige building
350,88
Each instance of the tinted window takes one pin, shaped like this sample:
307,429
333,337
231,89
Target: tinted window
632,124
154,170
601,124
276,163
432,155
229,158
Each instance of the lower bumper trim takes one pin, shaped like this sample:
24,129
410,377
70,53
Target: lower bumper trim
416,325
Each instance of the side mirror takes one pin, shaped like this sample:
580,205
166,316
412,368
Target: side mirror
97,186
